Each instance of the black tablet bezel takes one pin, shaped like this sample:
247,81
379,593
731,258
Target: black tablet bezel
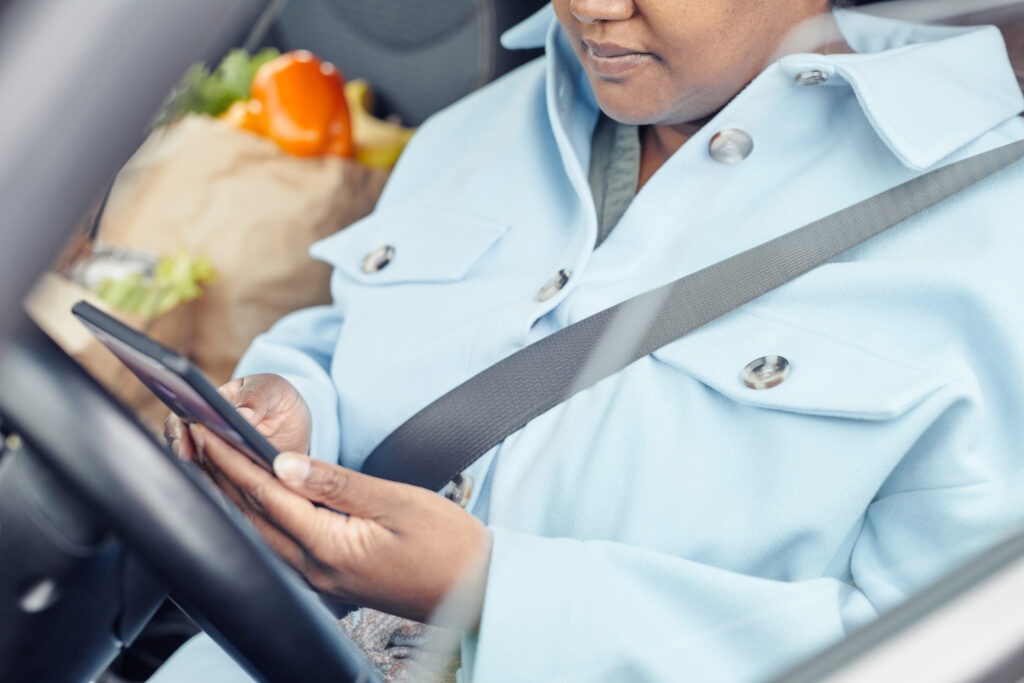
177,382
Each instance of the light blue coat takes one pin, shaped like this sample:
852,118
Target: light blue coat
671,523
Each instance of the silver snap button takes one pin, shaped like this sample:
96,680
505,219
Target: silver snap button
731,146
459,489
378,259
812,77
554,285
766,372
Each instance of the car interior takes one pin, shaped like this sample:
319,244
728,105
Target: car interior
99,523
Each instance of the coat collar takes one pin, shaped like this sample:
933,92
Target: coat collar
927,90
531,32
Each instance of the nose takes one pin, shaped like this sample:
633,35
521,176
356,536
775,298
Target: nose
592,11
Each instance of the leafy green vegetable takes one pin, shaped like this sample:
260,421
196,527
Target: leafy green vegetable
237,69
174,281
202,92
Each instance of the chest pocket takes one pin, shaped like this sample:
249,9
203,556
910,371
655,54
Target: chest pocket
826,376
395,246
410,325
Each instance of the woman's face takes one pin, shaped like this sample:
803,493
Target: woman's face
672,61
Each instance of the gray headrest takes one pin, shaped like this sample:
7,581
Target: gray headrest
419,55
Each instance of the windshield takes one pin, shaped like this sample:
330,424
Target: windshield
591,400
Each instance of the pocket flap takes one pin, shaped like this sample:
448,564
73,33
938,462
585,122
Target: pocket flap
432,246
827,376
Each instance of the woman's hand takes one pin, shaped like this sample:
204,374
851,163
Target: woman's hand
267,401
398,548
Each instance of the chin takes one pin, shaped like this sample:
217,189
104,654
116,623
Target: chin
639,117
691,121
628,114
633,111
633,121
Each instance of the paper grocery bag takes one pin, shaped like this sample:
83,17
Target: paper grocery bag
49,305
205,188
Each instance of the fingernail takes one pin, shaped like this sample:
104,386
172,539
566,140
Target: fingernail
291,468
247,413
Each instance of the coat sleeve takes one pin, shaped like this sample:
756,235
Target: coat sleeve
560,609
299,347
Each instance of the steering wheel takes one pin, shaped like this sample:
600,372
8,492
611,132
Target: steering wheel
164,510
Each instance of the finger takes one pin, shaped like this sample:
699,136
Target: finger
260,489
300,555
201,436
245,483
293,515
230,490
280,540
172,429
196,436
285,545
341,488
229,460
177,439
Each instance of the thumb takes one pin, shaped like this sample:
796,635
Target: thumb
250,401
248,414
243,399
335,486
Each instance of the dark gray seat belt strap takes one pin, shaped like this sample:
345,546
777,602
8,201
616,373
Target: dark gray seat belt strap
452,432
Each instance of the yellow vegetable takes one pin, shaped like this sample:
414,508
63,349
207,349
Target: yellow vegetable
378,142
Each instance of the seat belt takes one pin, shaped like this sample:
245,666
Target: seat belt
447,436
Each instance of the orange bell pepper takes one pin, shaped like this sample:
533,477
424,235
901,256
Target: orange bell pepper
299,102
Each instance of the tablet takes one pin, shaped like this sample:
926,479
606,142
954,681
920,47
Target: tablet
176,382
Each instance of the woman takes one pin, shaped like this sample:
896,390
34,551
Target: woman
670,522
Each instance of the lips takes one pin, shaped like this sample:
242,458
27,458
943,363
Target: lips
611,59
608,50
